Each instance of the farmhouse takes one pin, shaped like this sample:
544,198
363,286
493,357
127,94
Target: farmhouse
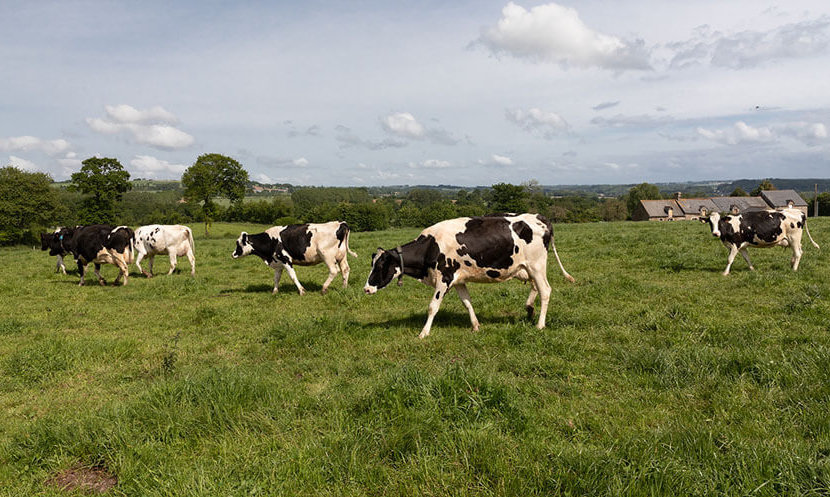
695,208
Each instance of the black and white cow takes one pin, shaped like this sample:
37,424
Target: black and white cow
765,228
174,240
52,243
300,245
102,244
485,249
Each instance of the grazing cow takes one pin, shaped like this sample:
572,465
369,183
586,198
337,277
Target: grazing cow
174,240
300,245
52,243
766,228
102,244
485,249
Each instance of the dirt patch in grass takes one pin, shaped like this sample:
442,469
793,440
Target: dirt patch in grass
94,480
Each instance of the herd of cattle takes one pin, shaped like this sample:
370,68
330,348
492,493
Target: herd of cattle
447,255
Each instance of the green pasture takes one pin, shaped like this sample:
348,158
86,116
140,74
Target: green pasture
655,376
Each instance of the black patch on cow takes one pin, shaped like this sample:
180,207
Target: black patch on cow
487,240
792,225
799,224
493,273
342,231
437,295
120,239
447,268
87,241
296,238
516,249
764,225
523,230
468,263
546,238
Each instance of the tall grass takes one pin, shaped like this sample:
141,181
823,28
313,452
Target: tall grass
656,375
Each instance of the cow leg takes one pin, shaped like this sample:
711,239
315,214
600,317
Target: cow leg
733,251
60,267
540,281
81,271
464,295
173,262
345,270
123,268
277,276
745,255
795,243
331,264
290,269
434,305
101,280
531,299
138,260
150,260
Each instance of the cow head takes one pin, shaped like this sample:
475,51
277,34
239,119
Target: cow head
713,220
243,246
46,240
386,265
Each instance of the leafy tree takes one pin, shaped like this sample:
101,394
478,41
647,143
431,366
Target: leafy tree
643,191
505,197
613,209
739,192
210,176
764,185
103,180
27,204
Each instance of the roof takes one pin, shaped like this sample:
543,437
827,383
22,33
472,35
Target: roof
659,208
781,198
694,205
724,204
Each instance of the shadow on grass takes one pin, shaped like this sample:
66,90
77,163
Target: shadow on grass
450,318
287,288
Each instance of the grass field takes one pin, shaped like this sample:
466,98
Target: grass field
655,376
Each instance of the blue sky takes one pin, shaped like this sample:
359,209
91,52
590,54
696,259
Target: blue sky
376,93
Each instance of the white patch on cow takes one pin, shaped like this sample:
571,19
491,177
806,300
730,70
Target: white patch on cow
158,239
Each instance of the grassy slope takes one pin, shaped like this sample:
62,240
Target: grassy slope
655,375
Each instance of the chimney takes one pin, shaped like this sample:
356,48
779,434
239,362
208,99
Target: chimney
677,195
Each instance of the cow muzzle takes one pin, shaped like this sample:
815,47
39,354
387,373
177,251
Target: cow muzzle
716,234
370,290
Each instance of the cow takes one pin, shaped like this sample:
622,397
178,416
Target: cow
102,244
174,240
763,228
486,249
300,245
52,243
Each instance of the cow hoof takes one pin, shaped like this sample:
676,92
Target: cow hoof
475,328
102,282
725,274
529,312
423,334
302,292
324,291
274,291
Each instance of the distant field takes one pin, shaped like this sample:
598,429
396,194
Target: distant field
656,375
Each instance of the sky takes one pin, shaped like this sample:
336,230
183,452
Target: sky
366,93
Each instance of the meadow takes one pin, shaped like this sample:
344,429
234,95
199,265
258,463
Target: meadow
656,375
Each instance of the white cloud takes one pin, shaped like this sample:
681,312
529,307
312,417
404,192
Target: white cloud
263,178
804,132
553,33
546,124
501,160
149,127
622,121
282,162
753,48
146,166
403,124
430,164
301,162
22,163
32,143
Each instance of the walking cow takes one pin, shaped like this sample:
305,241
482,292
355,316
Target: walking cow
300,245
766,228
485,249
174,240
52,243
101,244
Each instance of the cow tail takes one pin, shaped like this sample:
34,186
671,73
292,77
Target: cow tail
132,248
353,254
556,254
190,239
809,235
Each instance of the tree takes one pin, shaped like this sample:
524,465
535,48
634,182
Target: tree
739,192
764,185
505,197
210,176
643,191
104,181
27,203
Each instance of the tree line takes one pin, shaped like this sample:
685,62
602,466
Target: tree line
214,187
